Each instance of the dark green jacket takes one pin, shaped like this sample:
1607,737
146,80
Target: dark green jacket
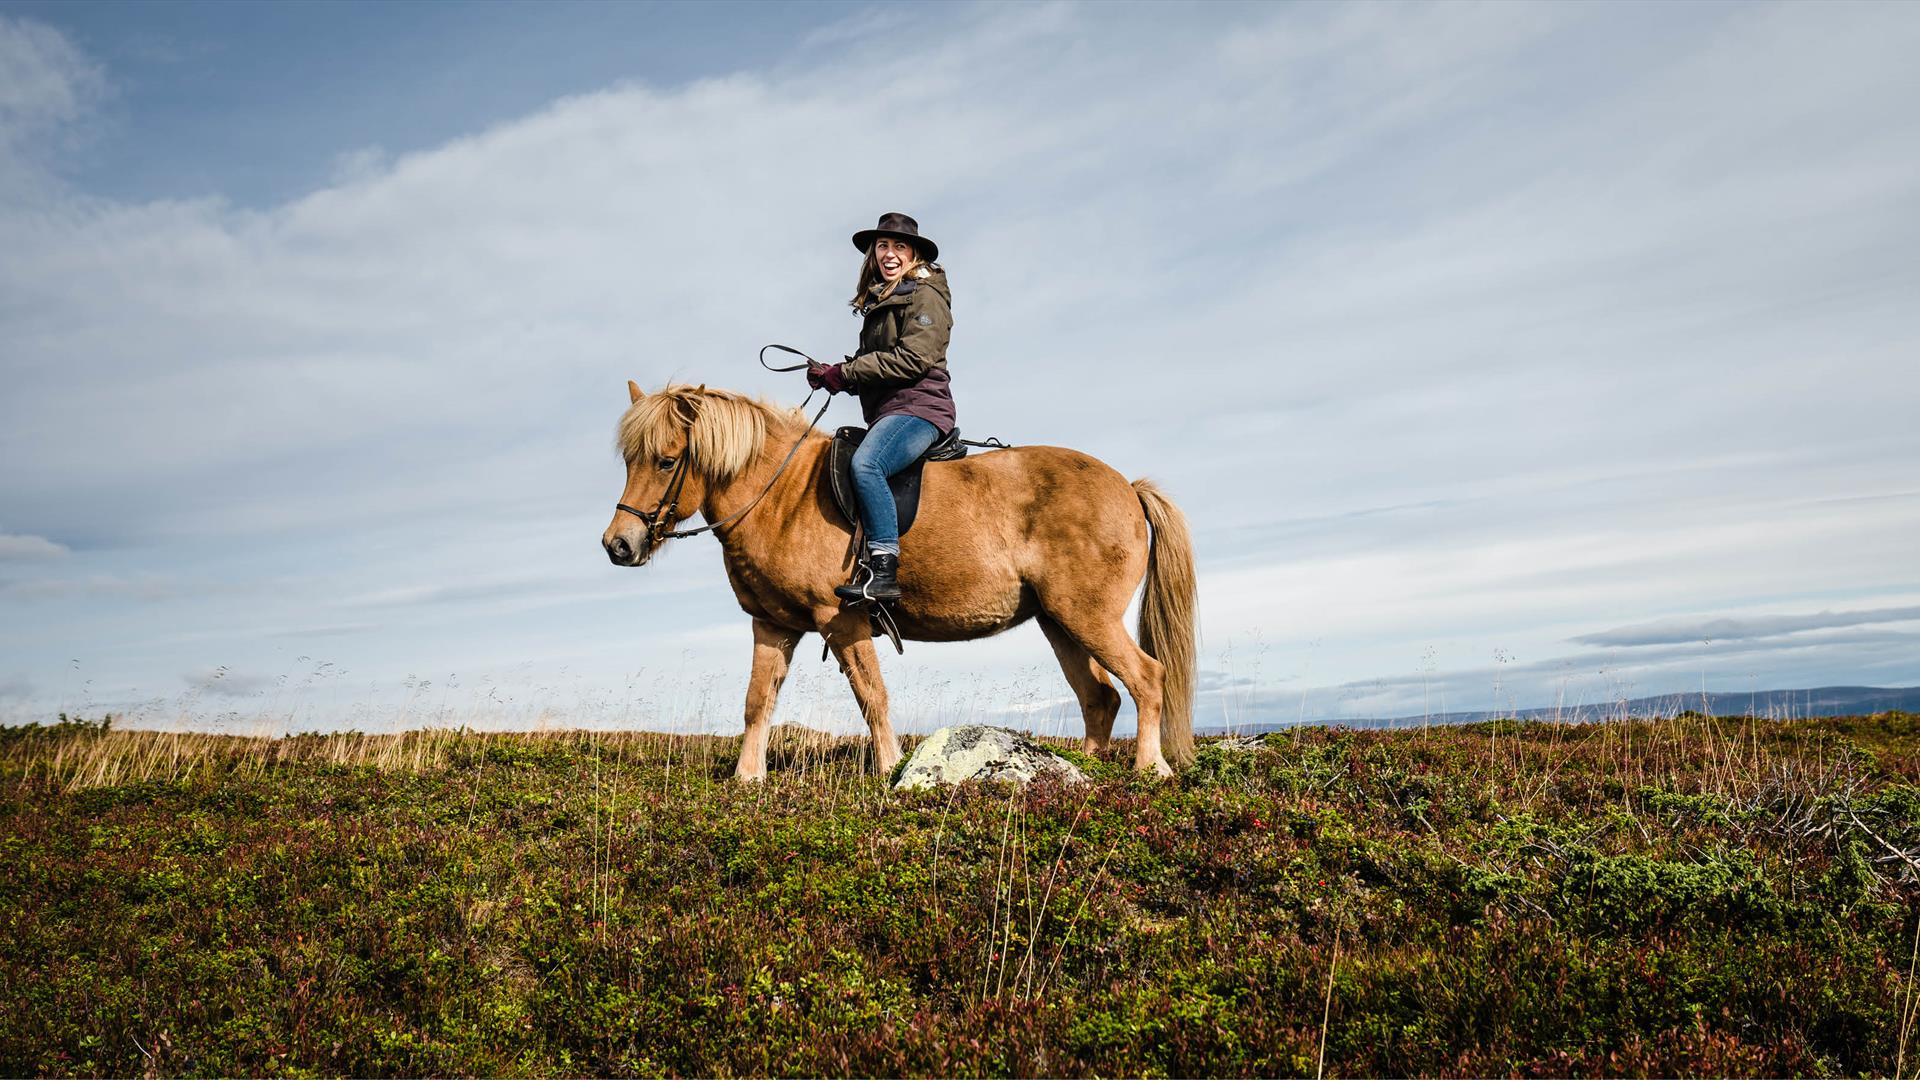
901,367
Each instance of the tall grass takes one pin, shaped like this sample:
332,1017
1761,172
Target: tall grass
1679,894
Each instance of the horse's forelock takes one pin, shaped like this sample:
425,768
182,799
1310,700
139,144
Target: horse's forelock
725,429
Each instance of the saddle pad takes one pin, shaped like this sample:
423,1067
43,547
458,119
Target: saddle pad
905,483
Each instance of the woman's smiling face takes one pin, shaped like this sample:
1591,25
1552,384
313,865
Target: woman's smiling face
893,256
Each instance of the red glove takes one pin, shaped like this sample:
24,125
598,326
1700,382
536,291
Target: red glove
833,379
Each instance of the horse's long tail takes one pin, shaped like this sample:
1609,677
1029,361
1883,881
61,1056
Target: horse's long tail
1167,618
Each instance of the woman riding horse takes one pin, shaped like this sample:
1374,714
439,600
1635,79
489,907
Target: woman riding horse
900,374
1041,533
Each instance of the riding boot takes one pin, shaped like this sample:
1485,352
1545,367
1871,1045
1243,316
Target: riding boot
875,579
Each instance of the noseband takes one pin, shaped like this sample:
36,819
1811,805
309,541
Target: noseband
661,518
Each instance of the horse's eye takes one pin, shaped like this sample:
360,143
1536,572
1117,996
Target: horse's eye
666,464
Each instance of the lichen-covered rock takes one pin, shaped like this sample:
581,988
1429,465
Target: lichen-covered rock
978,752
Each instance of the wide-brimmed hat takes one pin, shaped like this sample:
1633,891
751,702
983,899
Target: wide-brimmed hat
902,226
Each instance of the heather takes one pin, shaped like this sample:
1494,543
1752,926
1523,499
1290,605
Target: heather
1688,895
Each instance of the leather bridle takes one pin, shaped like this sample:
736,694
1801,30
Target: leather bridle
666,513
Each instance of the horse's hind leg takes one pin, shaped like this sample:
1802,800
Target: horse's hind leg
1115,650
850,634
1099,701
772,651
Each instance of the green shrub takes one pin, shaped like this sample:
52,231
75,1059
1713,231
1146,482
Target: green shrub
1550,903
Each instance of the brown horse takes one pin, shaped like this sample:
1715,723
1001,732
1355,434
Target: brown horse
1035,532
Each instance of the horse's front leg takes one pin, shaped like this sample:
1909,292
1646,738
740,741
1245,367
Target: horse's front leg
772,652
850,634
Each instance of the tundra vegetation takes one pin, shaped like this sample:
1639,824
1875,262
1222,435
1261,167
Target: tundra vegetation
1688,895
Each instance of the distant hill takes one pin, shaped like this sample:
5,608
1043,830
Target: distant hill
1780,704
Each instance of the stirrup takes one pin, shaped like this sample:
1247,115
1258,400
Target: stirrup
877,610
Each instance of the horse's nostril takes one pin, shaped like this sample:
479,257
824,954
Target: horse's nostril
619,550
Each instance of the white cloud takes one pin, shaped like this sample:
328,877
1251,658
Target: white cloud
26,546
44,80
1452,325
146,588
1743,627
47,87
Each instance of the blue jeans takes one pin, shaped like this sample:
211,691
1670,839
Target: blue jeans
892,443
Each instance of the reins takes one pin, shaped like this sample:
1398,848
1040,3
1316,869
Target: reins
670,498
790,367
669,503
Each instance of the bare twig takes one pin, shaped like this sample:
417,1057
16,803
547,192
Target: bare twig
1027,966
1906,1009
1878,839
1098,876
1326,1010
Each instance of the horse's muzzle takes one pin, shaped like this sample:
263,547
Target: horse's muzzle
622,552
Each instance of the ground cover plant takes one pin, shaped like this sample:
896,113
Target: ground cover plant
1681,896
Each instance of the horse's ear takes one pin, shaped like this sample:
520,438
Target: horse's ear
633,392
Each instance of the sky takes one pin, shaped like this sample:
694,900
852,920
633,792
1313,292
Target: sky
1500,355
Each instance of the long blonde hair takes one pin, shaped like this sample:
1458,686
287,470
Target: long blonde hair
863,294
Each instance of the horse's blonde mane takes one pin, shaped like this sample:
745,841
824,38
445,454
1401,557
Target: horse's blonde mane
725,430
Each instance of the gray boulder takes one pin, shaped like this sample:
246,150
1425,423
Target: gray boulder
978,752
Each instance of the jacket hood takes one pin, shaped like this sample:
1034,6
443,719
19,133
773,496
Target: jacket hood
936,280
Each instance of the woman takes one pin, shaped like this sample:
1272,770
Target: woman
900,374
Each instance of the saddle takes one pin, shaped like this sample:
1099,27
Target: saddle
905,483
